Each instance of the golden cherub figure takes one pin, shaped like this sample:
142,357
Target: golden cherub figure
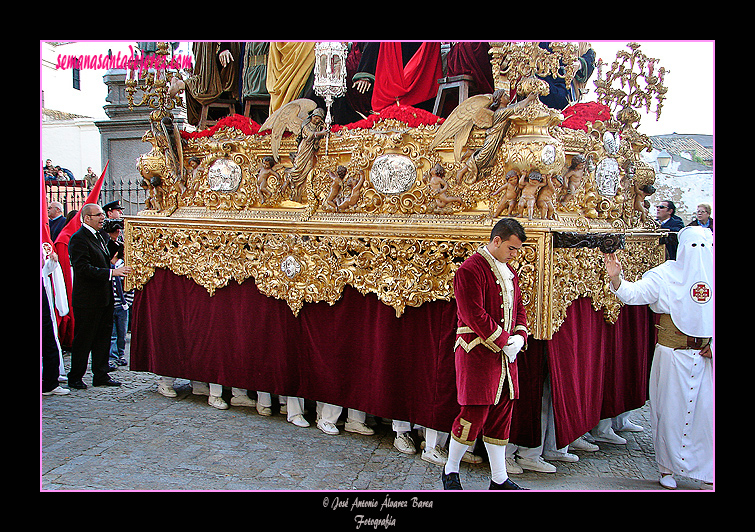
353,185
573,177
545,198
337,179
266,171
508,193
436,180
530,186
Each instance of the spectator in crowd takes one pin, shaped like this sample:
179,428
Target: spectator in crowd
50,171
64,174
53,172
70,216
91,177
56,218
666,216
702,216
113,234
113,228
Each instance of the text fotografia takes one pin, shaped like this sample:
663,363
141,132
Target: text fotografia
379,522
132,61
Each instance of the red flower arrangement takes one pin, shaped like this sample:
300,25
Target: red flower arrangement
246,125
578,115
411,116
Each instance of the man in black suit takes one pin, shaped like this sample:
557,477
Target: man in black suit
92,300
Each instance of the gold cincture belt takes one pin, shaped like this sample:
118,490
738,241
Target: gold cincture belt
670,336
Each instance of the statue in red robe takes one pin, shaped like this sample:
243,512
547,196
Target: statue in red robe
406,73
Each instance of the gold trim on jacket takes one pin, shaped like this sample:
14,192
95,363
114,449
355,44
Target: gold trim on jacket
508,311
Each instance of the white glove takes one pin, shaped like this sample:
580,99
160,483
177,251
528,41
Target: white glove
513,346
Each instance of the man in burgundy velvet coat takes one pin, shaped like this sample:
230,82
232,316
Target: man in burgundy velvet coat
492,329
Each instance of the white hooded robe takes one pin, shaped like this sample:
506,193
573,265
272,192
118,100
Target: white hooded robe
681,381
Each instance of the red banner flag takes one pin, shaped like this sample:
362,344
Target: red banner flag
65,323
46,238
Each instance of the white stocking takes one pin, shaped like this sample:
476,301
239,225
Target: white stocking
497,457
456,451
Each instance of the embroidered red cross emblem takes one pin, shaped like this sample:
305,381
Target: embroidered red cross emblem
700,292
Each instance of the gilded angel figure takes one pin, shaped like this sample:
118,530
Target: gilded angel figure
304,118
488,111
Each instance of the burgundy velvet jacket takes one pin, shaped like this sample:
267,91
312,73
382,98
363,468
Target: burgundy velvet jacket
483,373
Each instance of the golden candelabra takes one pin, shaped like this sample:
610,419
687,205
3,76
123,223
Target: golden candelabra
155,86
513,62
631,83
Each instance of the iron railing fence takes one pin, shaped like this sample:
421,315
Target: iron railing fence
73,194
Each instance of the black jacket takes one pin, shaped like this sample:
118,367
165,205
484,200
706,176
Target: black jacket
92,287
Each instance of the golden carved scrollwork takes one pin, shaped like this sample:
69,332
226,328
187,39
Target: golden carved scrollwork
533,143
580,273
406,270
301,268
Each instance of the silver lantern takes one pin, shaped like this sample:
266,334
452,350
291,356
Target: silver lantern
330,73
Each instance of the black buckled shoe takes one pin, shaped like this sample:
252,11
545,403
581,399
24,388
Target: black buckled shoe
77,385
451,481
109,382
507,484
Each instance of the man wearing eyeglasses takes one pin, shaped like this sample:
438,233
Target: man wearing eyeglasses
666,215
92,299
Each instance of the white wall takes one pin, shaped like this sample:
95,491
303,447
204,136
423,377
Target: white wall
72,144
686,189
57,83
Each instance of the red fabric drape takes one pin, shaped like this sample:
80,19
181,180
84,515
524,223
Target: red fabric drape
44,220
411,84
598,370
532,368
357,354
472,58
